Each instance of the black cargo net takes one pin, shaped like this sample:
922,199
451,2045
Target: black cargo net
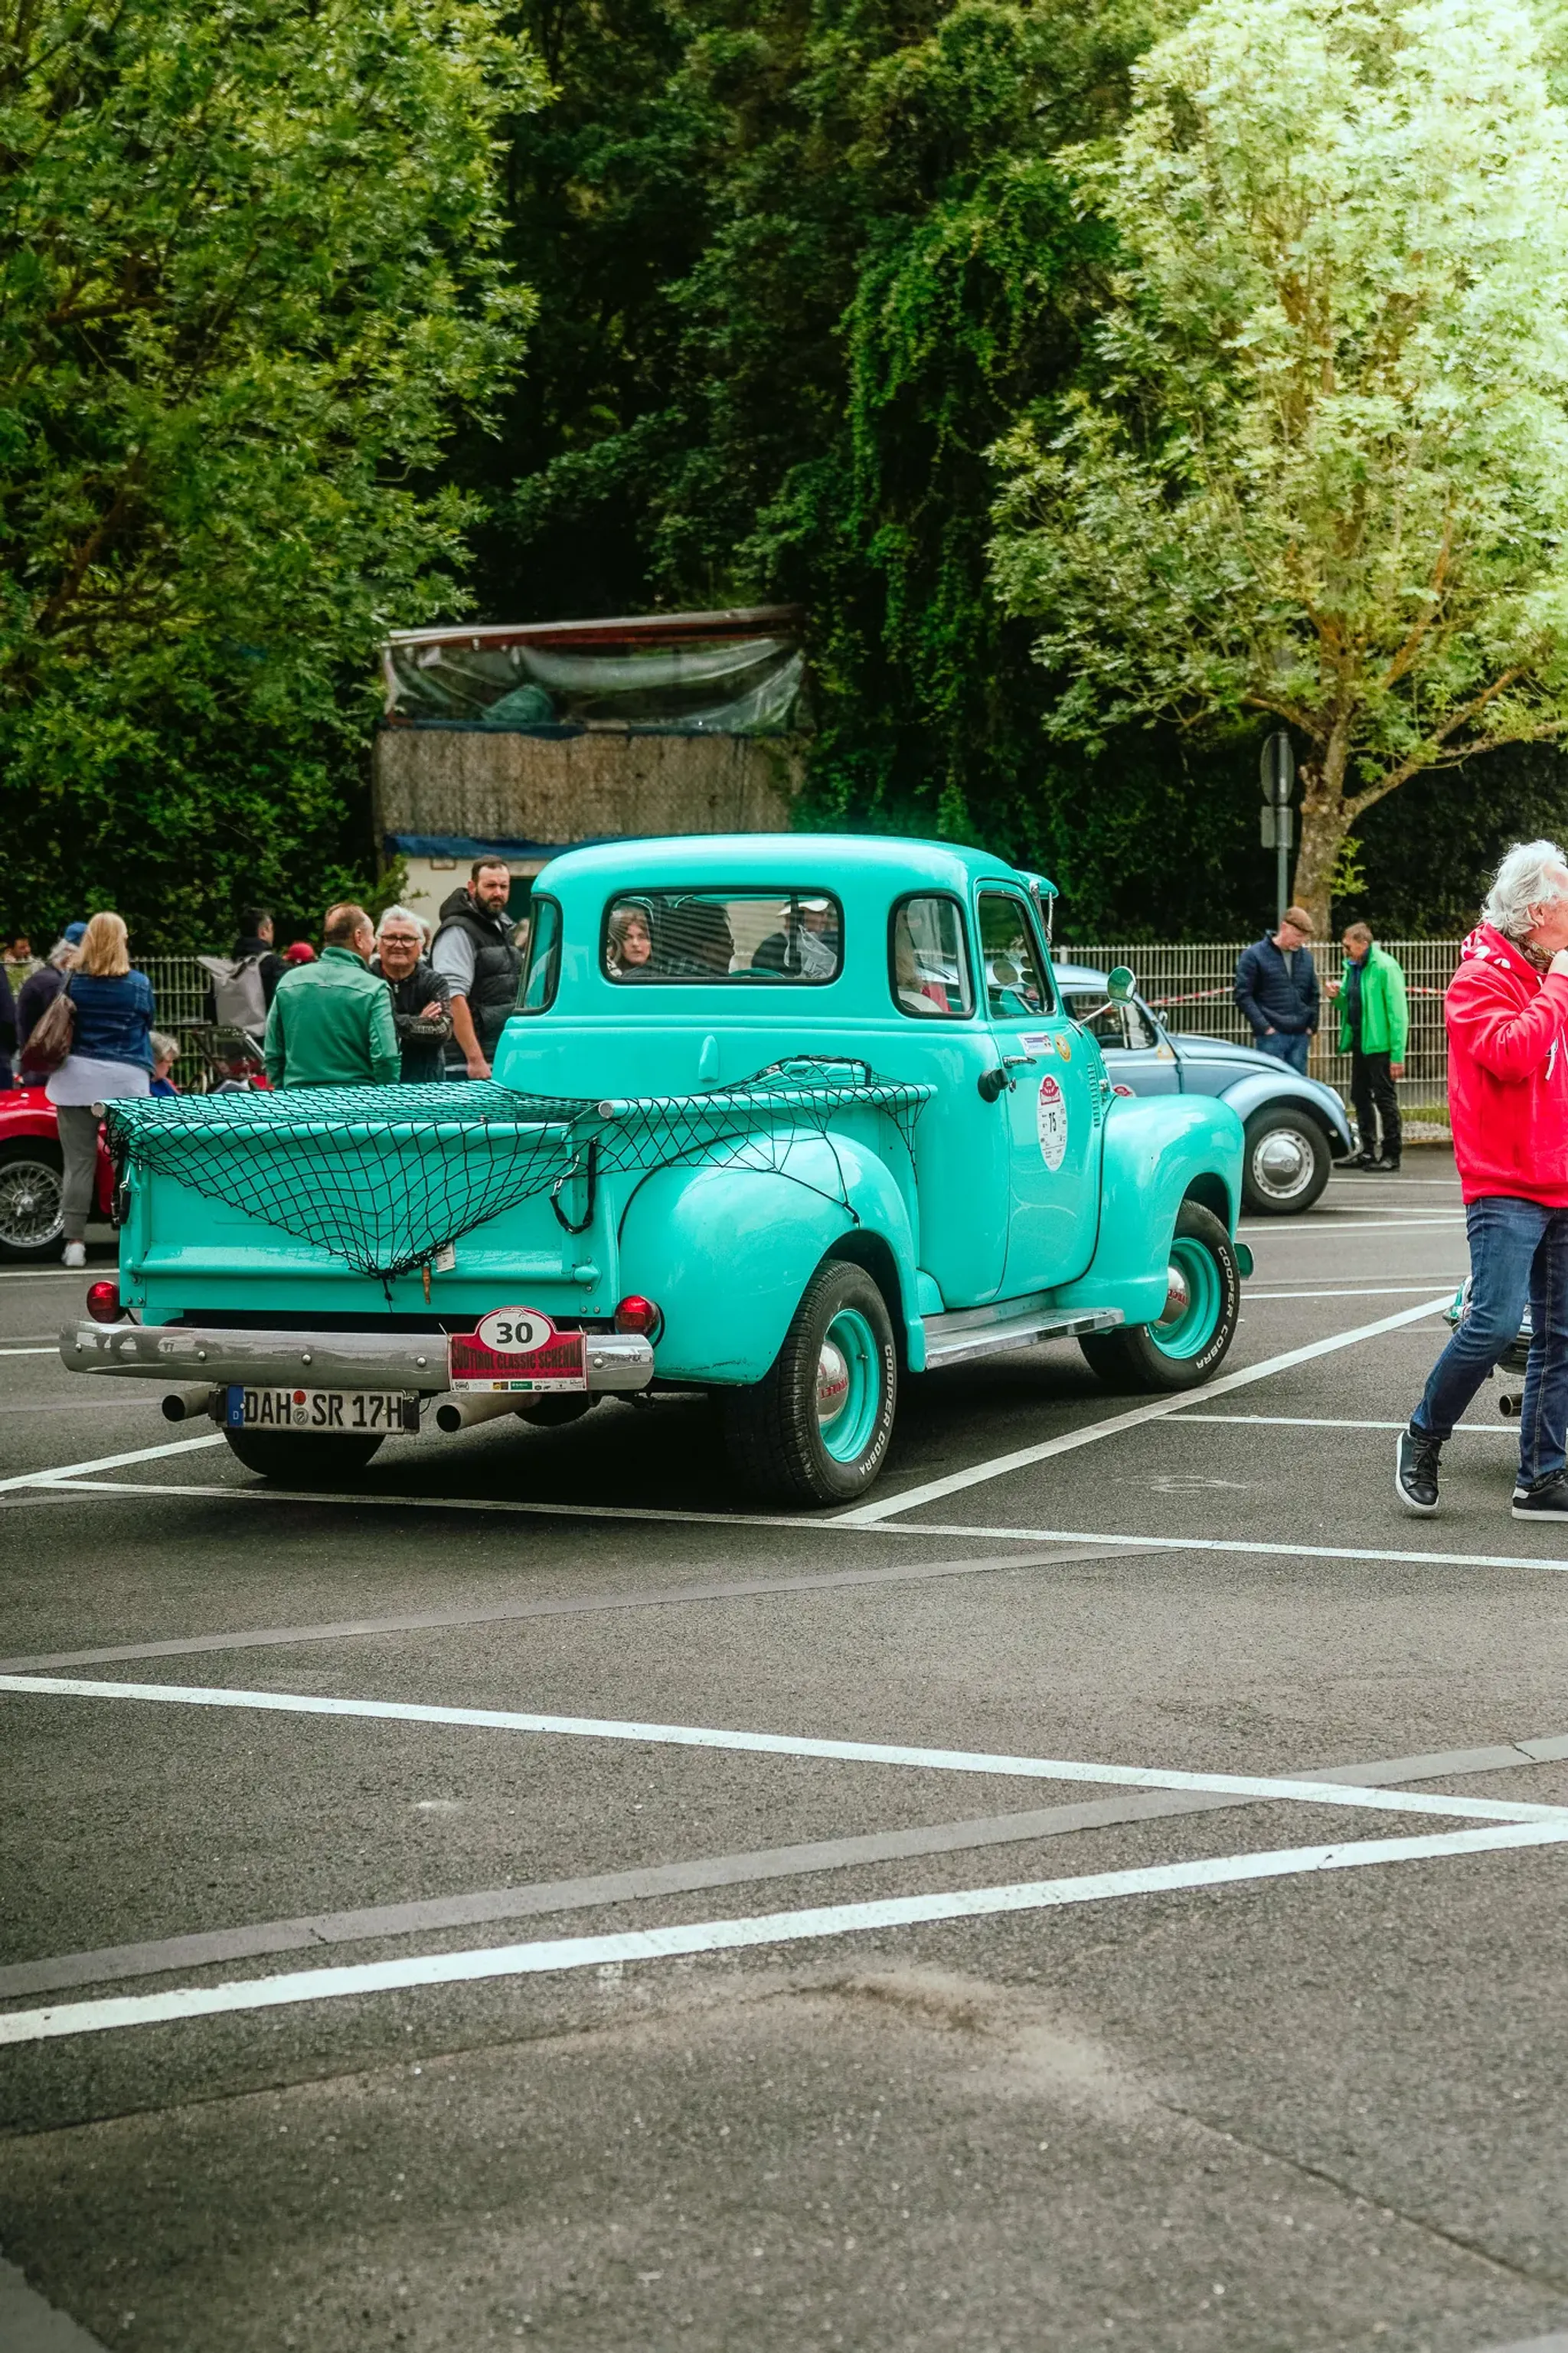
387,1177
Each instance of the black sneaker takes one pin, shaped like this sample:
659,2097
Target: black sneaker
1415,1471
1547,1499
1384,1168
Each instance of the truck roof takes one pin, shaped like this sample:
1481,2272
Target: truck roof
803,859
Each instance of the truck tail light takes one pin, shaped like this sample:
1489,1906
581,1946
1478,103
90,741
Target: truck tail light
635,1313
103,1303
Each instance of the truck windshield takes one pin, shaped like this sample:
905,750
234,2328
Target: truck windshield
752,937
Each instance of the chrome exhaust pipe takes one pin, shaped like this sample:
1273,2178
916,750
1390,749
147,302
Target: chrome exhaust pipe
190,1405
463,1412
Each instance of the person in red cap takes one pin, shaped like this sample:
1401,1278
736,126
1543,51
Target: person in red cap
300,953
1507,1015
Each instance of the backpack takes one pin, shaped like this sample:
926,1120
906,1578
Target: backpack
239,1001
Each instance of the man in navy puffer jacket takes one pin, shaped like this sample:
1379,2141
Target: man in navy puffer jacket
1276,989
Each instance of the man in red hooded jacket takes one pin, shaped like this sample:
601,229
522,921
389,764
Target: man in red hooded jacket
1507,1017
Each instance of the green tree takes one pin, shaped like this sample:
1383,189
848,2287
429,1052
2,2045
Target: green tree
801,264
249,277
1318,468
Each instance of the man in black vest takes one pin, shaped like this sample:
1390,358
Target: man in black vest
473,953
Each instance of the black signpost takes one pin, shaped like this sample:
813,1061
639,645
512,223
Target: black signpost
1277,773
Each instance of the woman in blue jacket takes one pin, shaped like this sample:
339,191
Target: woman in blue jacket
111,1055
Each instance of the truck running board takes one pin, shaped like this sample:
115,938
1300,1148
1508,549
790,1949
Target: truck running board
1013,1323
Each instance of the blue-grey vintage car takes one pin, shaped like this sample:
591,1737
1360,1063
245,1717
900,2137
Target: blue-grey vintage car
1296,1127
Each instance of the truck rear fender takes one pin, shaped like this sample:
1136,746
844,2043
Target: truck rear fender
1159,1151
726,1252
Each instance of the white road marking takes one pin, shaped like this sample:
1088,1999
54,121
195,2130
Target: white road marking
1332,1228
1253,1545
50,1351
1322,1421
561,1953
108,1462
775,1744
1384,1291
932,1490
61,1482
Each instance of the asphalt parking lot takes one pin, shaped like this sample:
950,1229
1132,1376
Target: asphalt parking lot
542,1899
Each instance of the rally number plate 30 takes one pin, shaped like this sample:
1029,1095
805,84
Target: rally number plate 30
326,1413
516,1348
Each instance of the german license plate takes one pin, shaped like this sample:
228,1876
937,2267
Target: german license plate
325,1411
516,1348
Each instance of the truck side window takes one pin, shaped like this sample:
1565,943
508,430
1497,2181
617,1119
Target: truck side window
1016,987
927,959
540,973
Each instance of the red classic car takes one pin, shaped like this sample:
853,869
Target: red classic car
31,1220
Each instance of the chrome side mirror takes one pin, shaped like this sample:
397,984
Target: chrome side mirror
1121,985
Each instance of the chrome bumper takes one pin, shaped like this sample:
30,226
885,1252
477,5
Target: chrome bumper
615,1361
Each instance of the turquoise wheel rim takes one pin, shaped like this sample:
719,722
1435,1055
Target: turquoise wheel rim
1187,1326
848,1387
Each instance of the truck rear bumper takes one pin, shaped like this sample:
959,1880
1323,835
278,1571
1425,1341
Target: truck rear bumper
615,1362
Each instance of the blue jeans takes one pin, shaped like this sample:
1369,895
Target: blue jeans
1286,1046
1519,1252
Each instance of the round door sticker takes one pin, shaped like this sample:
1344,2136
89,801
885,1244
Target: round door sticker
515,1331
1052,1115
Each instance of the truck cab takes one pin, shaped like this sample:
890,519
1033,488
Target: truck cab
788,1118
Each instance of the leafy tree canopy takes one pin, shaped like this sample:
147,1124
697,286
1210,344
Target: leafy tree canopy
1318,468
249,274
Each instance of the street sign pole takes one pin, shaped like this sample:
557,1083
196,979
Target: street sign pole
1278,776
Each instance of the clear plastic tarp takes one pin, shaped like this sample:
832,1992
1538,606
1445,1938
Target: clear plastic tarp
716,674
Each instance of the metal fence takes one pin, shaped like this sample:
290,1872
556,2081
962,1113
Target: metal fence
1189,986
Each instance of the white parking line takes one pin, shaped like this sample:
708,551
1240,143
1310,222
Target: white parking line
561,1953
1250,1544
57,1482
108,1462
1326,1421
932,1490
1332,1228
1383,1291
50,1351
776,1744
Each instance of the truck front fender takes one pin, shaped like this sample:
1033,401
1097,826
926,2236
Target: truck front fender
1158,1150
725,1253
1259,1092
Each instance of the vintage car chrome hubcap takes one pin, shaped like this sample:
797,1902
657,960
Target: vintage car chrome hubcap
1281,1164
832,1383
1178,1296
29,1203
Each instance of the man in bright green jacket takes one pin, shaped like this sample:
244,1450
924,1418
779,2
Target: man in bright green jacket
1374,1026
331,1023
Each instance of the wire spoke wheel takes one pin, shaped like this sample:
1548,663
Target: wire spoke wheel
31,1200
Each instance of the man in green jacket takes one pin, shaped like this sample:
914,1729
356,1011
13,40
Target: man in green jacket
1374,1027
331,1023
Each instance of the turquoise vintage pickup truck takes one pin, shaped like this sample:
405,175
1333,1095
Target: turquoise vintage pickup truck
784,1118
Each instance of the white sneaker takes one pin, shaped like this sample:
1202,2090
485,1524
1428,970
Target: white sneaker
75,1254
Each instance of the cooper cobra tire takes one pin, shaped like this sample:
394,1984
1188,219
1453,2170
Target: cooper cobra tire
1285,1163
1191,1340
816,1429
301,1462
31,1214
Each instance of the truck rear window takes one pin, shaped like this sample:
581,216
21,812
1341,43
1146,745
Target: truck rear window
752,937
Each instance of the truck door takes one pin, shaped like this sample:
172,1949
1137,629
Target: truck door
1054,1106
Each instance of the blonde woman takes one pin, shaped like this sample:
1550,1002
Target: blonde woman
111,1055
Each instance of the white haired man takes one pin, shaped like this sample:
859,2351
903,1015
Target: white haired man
421,1009
1507,1015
